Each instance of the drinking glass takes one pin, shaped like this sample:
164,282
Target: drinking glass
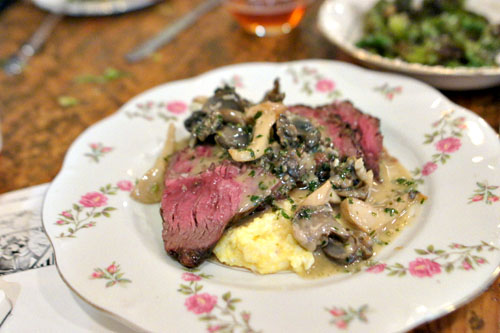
267,17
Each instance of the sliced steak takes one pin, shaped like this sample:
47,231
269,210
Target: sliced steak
191,161
197,207
352,132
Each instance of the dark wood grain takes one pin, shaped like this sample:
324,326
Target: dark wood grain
37,130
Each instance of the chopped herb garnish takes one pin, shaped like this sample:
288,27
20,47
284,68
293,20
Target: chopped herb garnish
338,216
262,186
405,182
257,115
391,211
268,150
312,186
285,215
155,188
254,198
350,201
259,136
422,201
252,173
305,213
374,214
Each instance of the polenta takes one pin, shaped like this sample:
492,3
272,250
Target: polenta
265,245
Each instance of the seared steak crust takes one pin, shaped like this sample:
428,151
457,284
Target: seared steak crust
352,132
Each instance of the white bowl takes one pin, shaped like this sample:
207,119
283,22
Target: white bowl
341,21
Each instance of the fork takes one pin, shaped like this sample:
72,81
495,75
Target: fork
16,63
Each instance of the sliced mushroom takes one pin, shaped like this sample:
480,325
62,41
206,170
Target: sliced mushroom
312,225
232,116
225,98
265,115
225,106
294,130
363,215
322,195
149,188
275,94
316,227
365,176
350,179
195,120
357,246
231,136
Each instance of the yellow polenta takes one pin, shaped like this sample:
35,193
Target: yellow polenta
265,245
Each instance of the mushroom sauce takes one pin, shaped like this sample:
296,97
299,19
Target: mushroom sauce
391,191
342,207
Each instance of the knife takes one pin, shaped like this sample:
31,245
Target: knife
171,31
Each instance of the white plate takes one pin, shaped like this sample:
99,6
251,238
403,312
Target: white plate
341,21
104,160
92,7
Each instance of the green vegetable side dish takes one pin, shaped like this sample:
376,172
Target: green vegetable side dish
440,32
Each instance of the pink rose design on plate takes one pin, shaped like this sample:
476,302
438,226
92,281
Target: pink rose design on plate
190,277
337,312
201,303
112,269
493,199
67,214
325,85
212,329
177,107
448,145
477,197
421,267
125,185
342,324
429,168
245,316
466,265
93,199
376,268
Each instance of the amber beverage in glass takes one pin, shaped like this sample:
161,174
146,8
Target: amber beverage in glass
267,17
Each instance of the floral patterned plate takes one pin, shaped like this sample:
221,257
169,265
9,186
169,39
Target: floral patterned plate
110,253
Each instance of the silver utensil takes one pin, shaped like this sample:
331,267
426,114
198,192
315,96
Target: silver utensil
16,63
171,31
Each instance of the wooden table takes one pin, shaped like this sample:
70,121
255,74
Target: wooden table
46,108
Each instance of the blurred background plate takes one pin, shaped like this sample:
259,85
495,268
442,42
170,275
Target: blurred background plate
92,7
341,21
